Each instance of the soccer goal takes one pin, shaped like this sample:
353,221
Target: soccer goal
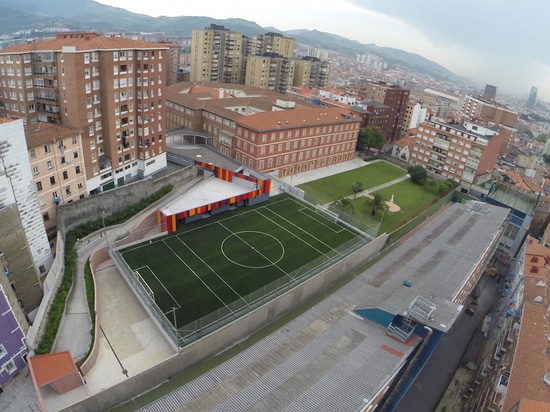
325,211
144,285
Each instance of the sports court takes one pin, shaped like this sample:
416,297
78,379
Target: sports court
236,257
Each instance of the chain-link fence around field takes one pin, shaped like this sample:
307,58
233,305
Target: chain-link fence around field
183,335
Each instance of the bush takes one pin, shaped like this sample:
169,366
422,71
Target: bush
70,260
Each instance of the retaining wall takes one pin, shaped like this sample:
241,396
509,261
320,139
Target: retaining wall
49,289
111,201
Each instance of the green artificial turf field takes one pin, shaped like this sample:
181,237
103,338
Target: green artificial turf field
209,265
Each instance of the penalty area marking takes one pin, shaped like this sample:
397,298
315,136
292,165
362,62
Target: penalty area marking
237,235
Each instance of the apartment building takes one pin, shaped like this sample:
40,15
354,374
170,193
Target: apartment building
270,72
311,72
393,96
492,114
271,132
217,55
13,347
267,61
111,88
456,151
513,372
270,43
58,167
24,248
374,114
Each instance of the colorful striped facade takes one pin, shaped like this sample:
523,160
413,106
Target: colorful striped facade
263,187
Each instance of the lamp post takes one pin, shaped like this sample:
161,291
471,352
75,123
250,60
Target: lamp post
175,320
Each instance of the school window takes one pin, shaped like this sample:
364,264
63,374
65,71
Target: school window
47,148
46,216
38,186
49,164
65,175
35,170
32,153
52,180
77,169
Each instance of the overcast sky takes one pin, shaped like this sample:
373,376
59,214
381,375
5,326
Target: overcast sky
504,43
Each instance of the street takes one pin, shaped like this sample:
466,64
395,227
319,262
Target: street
461,344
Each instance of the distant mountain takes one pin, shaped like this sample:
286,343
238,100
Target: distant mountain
16,15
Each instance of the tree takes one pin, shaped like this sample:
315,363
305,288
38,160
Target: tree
418,174
546,158
342,205
357,187
376,202
369,137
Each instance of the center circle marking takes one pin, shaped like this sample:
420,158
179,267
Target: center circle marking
236,235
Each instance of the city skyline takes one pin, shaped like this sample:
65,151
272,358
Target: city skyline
483,42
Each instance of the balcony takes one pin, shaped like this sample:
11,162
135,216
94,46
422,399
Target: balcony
105,163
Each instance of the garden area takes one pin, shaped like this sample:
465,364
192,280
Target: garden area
390,207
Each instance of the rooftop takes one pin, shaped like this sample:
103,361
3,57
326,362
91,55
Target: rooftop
41,133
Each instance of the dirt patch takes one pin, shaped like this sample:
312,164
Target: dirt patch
392,207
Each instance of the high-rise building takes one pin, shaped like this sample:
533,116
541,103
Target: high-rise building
111,88
270,43
532,99
24,246
393,96
270,72
218,55
490,92
311,72
267,61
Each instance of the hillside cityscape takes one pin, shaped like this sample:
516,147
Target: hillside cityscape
124,139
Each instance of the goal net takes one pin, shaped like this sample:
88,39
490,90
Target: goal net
323,210
144,285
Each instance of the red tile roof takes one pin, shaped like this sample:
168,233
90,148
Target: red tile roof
84,41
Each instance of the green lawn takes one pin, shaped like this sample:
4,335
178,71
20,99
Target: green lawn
339,185
410,197
203,268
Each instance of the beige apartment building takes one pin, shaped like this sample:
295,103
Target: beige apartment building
270,43
58,167
111,88
266,61
218,55
311,72
273,73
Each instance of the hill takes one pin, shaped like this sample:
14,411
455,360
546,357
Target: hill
25,15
